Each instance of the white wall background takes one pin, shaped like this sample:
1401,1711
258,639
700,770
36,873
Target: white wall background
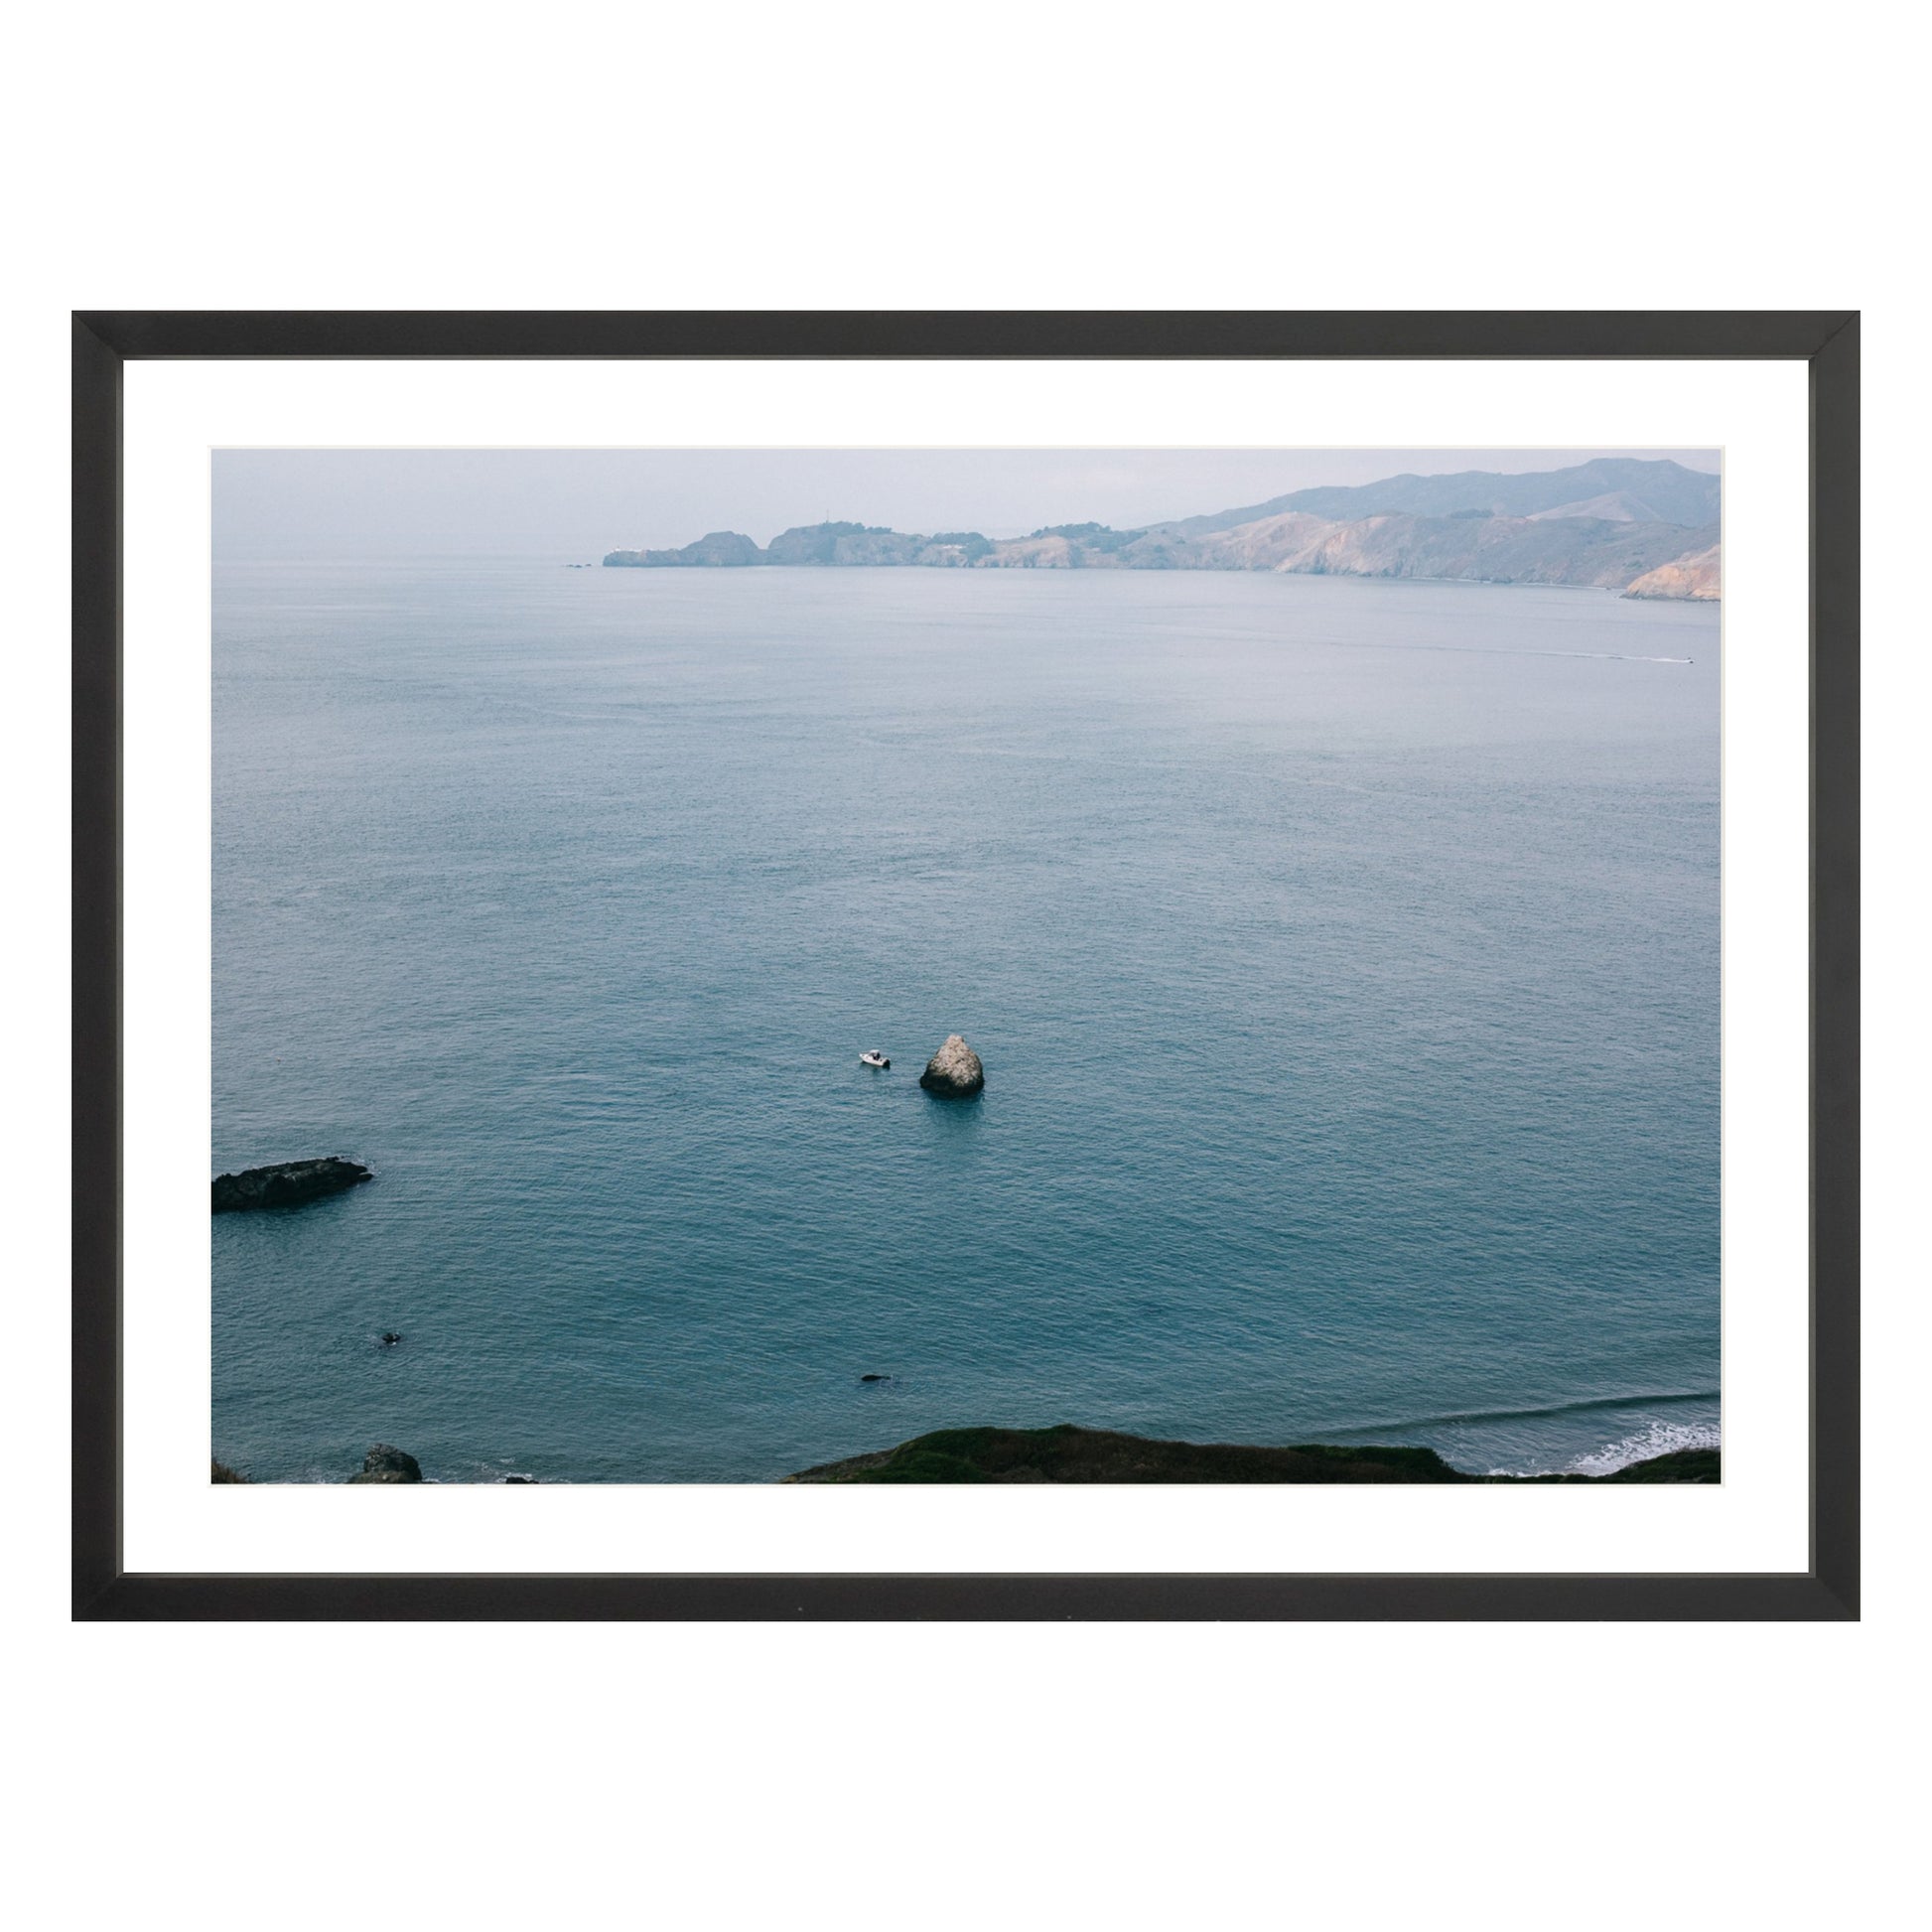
590,156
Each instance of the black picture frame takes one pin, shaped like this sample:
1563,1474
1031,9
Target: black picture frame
1827,341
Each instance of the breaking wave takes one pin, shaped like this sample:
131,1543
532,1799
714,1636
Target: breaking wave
1658,1439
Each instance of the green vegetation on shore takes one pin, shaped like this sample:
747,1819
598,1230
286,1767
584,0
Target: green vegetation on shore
1064,1453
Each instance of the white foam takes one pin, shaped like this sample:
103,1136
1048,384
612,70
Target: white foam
1658,1439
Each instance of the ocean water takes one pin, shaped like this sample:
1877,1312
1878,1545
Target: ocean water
1343,957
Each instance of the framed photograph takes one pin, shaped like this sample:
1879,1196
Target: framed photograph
966,966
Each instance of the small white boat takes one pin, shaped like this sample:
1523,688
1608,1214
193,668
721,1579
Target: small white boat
874,1058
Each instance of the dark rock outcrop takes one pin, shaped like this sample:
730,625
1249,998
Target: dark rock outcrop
387,1464
218,1472
954,1073
288,1184
1680,1466
1068,1455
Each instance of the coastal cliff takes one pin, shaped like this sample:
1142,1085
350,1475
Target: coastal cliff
1695,577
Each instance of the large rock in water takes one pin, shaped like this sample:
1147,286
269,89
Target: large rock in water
286,1185
954,1073
387,1464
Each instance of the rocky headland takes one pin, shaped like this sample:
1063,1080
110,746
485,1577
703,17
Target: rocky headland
1697,577
287,1183
1066,1454
1616,523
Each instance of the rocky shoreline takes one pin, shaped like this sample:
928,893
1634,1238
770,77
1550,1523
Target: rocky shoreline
1066,1454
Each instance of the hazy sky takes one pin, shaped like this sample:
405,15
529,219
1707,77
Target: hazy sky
583,503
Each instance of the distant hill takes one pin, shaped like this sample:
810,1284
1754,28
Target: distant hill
1493,549
722,549
1645,528
1653,491
820,544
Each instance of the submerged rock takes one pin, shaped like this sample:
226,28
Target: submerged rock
387,1464
954,1073
288,1184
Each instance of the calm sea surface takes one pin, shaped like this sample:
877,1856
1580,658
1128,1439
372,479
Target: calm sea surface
1343,956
